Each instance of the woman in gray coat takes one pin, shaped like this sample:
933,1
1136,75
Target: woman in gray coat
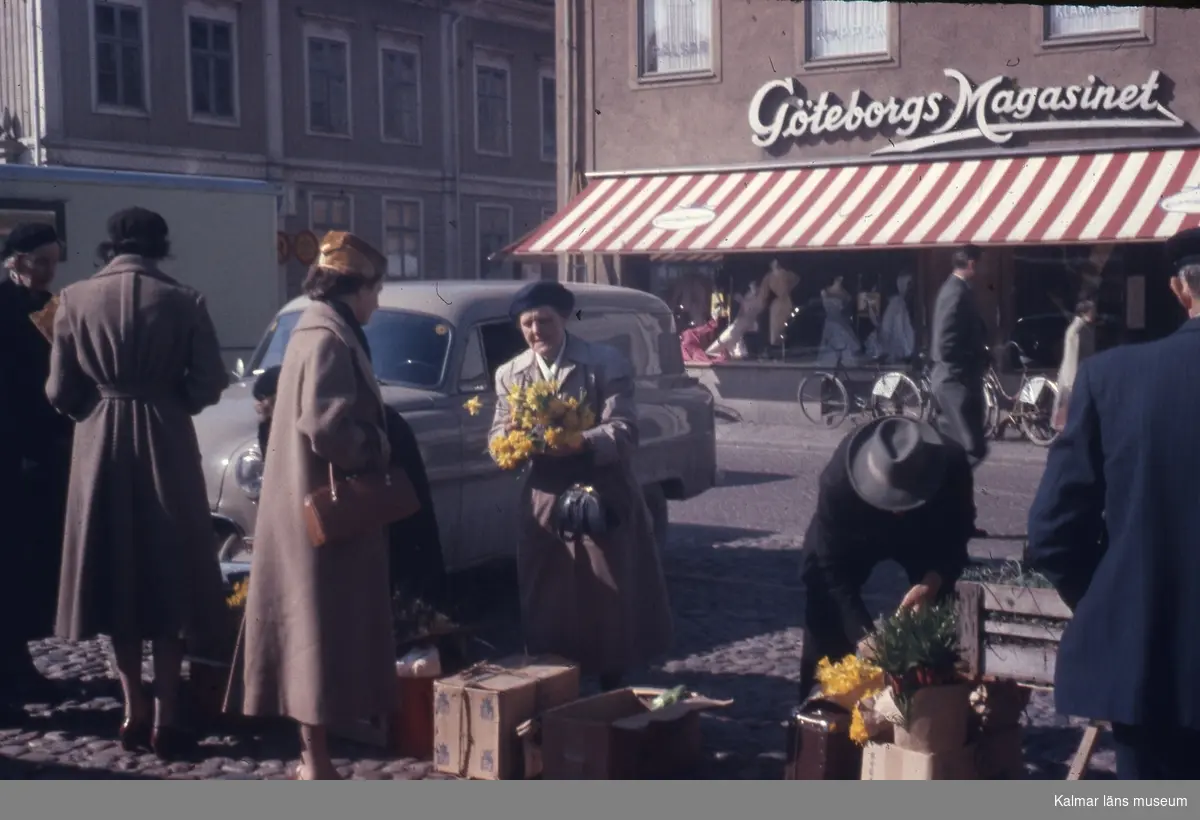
135,356
319,646
597,599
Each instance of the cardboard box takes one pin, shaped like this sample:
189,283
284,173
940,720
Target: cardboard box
1001,754
616,736
476,712
887,761
938,720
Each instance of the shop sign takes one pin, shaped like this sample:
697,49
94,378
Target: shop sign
1186,201
993,110
684,219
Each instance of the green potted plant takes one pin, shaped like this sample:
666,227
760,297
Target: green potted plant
918,651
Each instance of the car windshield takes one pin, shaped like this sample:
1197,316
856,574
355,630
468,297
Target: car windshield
406,348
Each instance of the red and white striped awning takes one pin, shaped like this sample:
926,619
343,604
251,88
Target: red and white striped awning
1092,198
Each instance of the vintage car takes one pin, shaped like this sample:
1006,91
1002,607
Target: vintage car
437,344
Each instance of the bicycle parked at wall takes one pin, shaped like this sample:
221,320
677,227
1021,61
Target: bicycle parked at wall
826,398
1029,408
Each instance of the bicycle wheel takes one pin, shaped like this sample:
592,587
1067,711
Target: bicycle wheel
896,394
991,411
1035,410
823,399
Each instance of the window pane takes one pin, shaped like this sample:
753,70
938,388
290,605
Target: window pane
106,58
340,215
222,38
201,83
676,36
131,24
412,214
131,76
320,210
107,92
223,87
392,217
1074,21
199,37
106,20
549,117
837,28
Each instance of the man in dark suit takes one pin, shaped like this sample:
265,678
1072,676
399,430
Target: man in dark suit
1115,526
894,490
960,357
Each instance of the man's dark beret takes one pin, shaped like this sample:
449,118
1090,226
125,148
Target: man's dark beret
267,383
27,237
1184,248
542,294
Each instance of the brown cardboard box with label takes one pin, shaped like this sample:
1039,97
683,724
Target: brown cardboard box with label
617,736
476,712
886,761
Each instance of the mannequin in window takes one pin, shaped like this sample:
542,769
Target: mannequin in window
777,286
894,339
838,336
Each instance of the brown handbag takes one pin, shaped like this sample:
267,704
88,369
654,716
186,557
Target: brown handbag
355,505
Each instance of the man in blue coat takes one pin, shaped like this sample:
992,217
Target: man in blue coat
1115,526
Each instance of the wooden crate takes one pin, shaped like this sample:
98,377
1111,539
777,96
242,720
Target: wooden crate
1010,632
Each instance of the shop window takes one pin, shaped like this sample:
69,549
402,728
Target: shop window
676,37
493,232
402,236
1073,22
838,30
330,212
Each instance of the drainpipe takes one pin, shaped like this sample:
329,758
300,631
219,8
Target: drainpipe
456,120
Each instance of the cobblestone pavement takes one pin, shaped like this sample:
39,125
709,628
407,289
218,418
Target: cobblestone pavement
732,567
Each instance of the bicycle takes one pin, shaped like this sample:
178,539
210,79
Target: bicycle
1029,408
825,398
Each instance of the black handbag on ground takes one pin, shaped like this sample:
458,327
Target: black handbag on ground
581,512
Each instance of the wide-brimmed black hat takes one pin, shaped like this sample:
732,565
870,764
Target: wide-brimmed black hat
896,463
1184,248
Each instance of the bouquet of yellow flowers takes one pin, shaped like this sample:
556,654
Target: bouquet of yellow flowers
847,683
539,419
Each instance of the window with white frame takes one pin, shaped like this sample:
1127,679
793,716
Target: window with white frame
846,29
330,212
549,105
327,58
119,32
493,232
493,105
1063,21
402,235
676,37
212,62
400,91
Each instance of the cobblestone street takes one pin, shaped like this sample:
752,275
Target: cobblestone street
732,564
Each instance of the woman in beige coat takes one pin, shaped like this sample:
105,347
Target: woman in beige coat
135,356
600,601
319,647
1078,343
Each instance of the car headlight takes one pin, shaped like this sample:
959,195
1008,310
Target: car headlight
248,472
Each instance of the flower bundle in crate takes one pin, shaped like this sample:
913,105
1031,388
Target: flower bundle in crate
540,419
851,683
917,650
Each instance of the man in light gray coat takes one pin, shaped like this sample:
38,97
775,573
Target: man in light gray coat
960,357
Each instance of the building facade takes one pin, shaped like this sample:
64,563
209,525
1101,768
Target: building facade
427,127
860,143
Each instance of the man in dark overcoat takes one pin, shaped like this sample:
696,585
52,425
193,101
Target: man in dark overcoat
960,357
35,453
894,490
1116,529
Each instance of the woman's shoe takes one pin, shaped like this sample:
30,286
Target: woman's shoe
135,735
172,743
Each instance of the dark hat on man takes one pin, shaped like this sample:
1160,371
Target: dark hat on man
897,463
1184,248
543,293
137,225
267,383
27,237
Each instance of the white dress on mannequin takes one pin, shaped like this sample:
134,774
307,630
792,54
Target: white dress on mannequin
895,338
